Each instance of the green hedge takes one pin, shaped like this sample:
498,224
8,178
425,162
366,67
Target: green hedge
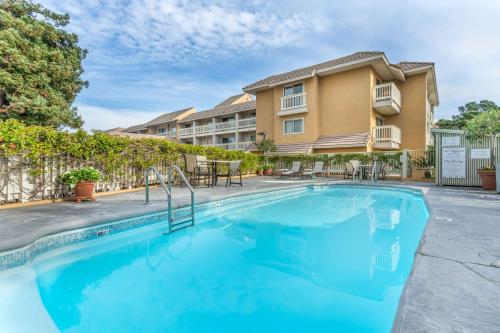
108,153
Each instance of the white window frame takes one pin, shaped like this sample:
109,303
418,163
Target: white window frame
293,119
294,84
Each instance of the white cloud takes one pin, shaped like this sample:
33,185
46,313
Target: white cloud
101,118
181,30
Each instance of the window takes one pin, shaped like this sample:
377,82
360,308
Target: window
293,89
252,138
227,140
161,130
293,126
380,121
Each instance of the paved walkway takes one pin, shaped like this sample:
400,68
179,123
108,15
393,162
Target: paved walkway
454,285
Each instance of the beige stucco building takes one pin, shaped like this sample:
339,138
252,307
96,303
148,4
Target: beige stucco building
360,102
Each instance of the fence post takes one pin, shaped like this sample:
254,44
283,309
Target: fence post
404,164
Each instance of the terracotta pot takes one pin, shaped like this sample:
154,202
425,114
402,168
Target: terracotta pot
268,172
84,190
488,179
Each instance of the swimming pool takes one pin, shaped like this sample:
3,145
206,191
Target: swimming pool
317,259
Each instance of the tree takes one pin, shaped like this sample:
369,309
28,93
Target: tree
466,113
40,66
266,146
486,123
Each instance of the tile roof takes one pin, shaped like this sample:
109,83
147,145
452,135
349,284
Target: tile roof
342,140
220,111
287,149
230,100
165,118
134,128
305,71
407,65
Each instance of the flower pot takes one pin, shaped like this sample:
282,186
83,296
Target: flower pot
268,172
84,191
488,179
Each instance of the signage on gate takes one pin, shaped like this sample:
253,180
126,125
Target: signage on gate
451,141
476,154
453,162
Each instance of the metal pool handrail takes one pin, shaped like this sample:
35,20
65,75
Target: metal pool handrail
181,220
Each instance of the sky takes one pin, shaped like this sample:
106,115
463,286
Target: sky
148,57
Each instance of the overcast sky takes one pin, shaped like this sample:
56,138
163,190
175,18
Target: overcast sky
148,57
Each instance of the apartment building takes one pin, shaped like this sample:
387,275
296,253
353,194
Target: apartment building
230,124
357,103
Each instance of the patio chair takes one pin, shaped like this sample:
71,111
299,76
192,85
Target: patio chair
316,170
294,171
197,170
234,170
348,170
380,171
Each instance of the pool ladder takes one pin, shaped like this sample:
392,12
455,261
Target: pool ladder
177,222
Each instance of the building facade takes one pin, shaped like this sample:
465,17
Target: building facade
356,103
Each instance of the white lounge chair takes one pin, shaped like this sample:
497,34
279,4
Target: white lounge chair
316,170
294,171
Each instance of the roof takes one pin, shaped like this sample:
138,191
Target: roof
170,116
137,136
135,128
287,149
342,140
310,70
409,65
116,129
220,111
233,99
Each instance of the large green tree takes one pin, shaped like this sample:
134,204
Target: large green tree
40,66
466,113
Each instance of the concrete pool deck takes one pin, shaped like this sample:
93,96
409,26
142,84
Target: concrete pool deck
455,282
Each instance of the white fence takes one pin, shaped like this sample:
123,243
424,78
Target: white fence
18,184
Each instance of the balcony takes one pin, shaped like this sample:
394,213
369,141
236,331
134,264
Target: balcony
225,126
293,104
188,131
204,129
386,137
387,99
170,134
248,123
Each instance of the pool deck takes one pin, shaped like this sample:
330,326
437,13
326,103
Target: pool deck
455,282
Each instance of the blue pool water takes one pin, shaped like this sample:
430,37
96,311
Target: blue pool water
319,260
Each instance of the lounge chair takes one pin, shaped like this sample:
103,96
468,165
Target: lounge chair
348,170
234,170
316,170
294,171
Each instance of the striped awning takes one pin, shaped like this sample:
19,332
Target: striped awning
342,141
287,149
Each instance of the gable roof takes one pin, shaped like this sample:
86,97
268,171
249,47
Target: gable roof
233,99
220,111
310,70
170,116
135,128
409,65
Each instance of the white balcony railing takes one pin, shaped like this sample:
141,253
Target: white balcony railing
170,134
225,126
227,146
293,101
244,123
244,145
387,98
204,129
387,134
186,131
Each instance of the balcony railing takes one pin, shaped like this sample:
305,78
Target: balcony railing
186,131
249,122
227,146
170,134
387,98
225,126
204,129
293,101
244,145
386,137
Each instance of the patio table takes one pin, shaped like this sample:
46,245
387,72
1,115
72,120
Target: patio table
213,164
363,171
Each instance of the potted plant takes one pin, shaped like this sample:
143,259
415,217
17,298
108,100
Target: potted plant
488,178
268,169
259,170
83,180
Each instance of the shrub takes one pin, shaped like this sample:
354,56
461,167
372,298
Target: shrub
85,174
